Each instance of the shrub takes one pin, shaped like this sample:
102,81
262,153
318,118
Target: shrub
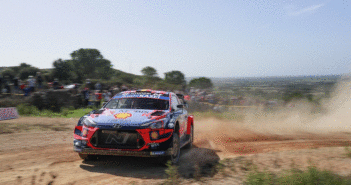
173,175
26,110
348,152
292,177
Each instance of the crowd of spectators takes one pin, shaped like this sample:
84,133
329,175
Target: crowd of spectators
18,86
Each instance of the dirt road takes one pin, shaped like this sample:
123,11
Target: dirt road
34,152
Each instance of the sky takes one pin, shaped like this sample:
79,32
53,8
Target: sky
222,38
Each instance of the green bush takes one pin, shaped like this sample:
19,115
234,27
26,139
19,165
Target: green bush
292,177
27,110
172,173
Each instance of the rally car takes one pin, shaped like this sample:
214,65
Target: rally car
143,123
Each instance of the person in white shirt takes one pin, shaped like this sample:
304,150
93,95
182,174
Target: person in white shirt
31,83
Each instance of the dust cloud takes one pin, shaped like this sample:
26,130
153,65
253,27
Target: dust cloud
295,121
331,115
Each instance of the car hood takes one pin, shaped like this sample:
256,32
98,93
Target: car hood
126,117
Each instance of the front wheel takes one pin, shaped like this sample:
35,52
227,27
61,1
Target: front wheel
174,157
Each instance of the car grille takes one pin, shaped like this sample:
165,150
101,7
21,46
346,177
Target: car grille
117,139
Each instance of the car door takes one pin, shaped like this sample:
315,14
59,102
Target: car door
181,115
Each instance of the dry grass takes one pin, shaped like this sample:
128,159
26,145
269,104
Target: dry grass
26,124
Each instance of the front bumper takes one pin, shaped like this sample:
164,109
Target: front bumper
162,146
117,152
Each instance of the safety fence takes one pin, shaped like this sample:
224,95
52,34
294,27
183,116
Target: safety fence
8,113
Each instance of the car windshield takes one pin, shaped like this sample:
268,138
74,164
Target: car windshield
138,103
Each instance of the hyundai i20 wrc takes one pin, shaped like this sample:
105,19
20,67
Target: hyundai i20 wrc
143,123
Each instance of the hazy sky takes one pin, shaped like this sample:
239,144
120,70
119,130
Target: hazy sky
232,38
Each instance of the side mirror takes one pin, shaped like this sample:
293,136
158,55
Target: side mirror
92,112
180,106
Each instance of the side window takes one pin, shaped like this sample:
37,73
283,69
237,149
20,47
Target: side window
174,102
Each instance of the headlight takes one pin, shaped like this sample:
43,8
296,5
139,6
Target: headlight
88,122
155,125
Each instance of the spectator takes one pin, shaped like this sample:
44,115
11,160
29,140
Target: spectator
7,84
86,96
22,86
26,89
98,98
89,84
1,83
39,80
92,98
56,84
31,83
98,86
16,85
106,95
124,88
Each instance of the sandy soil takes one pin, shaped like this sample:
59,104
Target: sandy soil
44,156
35,152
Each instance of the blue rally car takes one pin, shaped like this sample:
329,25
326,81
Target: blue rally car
143,123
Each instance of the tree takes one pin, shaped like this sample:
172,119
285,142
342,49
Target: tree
62,70
9,72
202,83
89,63
27,71
149,71
175,77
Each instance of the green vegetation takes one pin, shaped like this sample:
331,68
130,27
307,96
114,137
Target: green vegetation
203,82
90,64
173,176
149,72
291,177
31,110
348,152
175,77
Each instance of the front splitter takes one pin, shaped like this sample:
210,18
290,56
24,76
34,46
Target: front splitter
90,151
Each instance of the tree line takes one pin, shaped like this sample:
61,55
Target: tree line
90,64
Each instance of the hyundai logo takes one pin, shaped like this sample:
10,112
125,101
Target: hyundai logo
116,125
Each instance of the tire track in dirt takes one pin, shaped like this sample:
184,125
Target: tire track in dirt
40,155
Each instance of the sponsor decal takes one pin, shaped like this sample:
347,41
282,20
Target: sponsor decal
117,125
157,153
144,94
123,115
141,111
117,138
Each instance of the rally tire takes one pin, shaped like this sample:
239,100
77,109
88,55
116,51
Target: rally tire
174,157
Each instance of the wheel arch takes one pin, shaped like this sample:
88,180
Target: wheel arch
190,123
